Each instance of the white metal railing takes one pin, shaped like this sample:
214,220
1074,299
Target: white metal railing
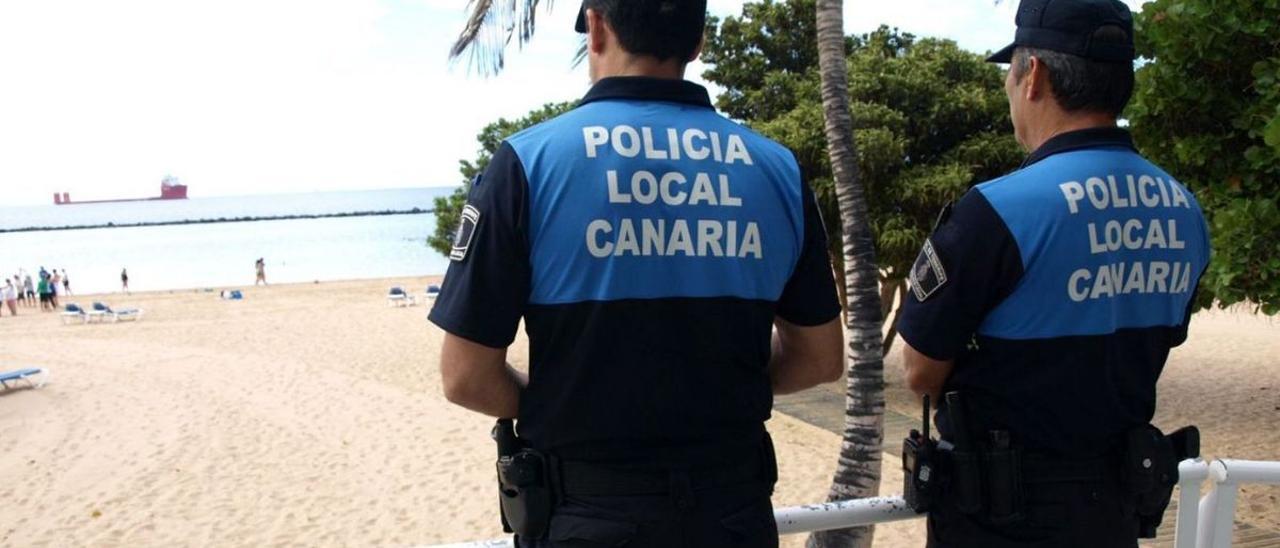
1217,509
1200,523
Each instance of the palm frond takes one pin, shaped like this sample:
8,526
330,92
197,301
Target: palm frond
490,29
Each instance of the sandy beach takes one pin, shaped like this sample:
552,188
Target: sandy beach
312,414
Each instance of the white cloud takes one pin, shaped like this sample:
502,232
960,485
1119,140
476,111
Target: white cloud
247,96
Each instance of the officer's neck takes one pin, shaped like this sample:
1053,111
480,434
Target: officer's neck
625,64
1056,122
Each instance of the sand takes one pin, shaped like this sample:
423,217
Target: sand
312,415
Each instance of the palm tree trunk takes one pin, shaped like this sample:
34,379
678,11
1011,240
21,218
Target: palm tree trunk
900,286
858,471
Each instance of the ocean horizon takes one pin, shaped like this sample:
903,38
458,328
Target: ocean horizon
222,254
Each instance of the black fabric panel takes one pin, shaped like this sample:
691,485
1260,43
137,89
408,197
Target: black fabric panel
981,264
484,292
809,297
1067,396
647,382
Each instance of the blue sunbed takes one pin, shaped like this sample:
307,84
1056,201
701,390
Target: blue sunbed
24,375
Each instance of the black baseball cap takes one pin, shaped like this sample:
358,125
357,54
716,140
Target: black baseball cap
656,14
1067,26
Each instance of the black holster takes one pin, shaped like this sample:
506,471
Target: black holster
526,484
1151,470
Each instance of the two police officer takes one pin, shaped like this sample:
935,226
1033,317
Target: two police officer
670,268
1047,301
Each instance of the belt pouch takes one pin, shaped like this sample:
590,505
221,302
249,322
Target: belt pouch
1002,470
966,481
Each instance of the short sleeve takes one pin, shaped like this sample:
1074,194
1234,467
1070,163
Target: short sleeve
485,290
809,298
968,266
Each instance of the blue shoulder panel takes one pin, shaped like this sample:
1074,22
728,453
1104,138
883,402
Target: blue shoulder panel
640,200
1108,241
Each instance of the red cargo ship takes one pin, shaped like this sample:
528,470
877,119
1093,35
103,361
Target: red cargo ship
170,189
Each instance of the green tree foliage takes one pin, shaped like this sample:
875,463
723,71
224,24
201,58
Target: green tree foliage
448,209
930,119
1207,109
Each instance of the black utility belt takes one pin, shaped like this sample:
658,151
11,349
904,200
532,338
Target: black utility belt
988,480
531,483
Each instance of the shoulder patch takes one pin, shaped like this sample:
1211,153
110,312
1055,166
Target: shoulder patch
927,274
466,230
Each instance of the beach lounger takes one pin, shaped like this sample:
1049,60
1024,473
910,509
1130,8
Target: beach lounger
102,312
397,297
433,291
72,312
232,295
24,375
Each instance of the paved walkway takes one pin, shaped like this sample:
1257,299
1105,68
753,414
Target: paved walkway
824,407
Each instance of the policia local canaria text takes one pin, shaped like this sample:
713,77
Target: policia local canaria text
691,238
1109,280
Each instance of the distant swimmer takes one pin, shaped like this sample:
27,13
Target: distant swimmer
261,267
124,279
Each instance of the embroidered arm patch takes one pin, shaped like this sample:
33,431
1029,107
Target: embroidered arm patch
466,230
927,274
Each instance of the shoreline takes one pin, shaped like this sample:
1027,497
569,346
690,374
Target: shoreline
214,289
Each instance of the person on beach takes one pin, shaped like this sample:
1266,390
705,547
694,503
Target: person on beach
9,294
124,280
672,273
46,296
1045,304
54,280
30,289
18,291
260,267
66,283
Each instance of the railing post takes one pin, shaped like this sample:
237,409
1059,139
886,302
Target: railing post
1217,510
1191,473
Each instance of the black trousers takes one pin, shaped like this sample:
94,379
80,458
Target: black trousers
729,516
1066,515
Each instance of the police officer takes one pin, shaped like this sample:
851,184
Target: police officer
1049,299
671,270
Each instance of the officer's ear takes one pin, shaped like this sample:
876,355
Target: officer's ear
598,32
698,50
1036,76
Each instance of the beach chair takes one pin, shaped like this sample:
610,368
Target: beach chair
24,375
102,312
433,291
396,296
72,312
232,295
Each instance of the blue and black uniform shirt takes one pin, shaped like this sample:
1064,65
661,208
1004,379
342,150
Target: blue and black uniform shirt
648,243
1058,290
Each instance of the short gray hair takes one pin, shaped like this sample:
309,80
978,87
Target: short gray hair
1081,84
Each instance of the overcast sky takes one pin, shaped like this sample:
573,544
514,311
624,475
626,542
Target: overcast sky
103,99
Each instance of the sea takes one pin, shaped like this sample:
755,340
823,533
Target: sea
222,254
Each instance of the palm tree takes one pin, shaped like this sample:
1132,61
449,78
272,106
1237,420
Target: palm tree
858,471
491,27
